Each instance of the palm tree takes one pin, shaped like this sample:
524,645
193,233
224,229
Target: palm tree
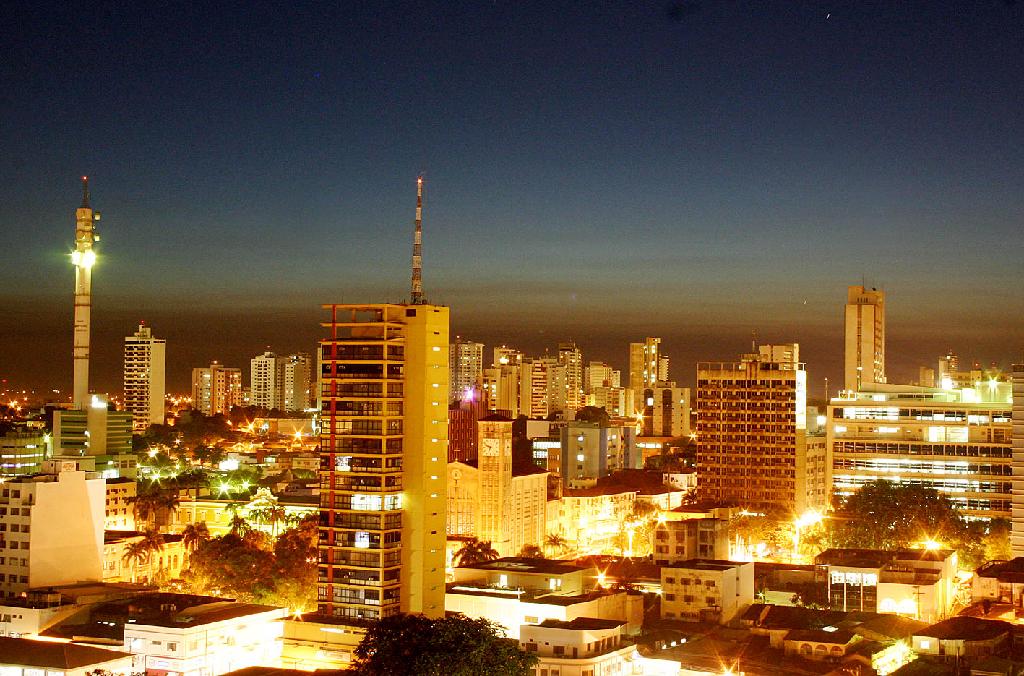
474,551
239,526
136,553
194,535
555,542
531,552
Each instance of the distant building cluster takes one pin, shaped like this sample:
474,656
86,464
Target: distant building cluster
596,519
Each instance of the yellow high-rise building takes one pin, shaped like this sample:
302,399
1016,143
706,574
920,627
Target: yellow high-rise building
384,450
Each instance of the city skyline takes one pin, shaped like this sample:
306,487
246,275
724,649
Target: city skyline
695,174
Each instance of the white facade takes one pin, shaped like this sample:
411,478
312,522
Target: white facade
209,640
955,441
264,381
512,609
706,591
53,531
865,337
588,647
144,378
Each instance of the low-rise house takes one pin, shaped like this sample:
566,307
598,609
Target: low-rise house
999,582
536,575
964,638
706,591
917,583
208,639
119,565
120,514
514,608
587,646
25,657
819,644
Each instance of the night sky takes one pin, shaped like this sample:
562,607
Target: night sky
594,171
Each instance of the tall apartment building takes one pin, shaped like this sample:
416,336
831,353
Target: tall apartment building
265,387
466,362
1017,435
570,395
296,371
865,337
599,374
383,460
666,410
216,388
504,355
144,387
534,400
751,432
501,388
955,441
53,530
645,364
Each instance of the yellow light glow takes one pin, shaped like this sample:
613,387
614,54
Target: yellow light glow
931,545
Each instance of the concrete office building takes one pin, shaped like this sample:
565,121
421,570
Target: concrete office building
384,449
865,337
144,380
955,441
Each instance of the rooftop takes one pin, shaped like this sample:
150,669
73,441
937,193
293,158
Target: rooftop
877,558
705,564
1008,571
208,613
524,565
966,629
50,655
820,636
582,624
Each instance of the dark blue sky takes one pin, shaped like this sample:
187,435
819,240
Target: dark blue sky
599,171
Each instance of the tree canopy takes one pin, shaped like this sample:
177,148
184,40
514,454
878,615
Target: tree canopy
449,646
885,515
248,565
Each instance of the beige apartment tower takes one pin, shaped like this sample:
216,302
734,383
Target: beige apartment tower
751,432
645,364
144,387
216,388
865,338
384,452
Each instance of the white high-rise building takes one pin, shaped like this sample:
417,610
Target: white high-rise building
144,386
865,338
466,366
265,381
53,529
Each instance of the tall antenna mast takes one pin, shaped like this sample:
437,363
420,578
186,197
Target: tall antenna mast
417,247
